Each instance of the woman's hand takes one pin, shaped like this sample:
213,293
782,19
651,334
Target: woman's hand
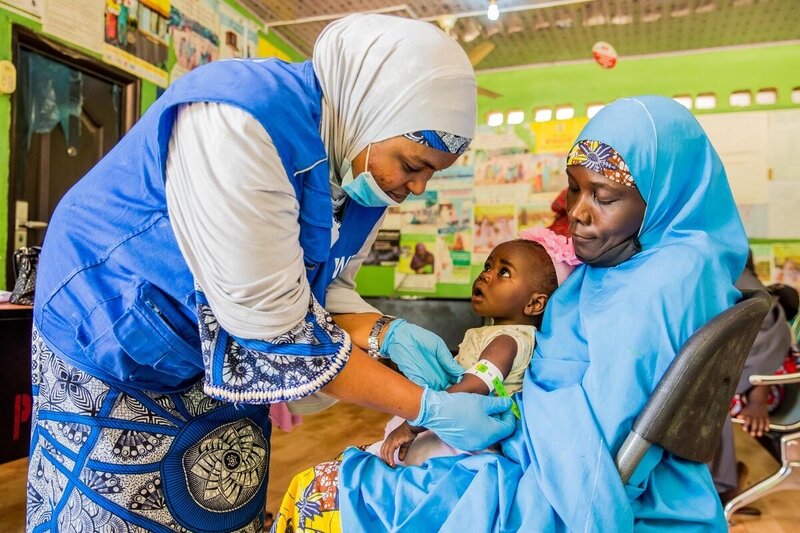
464,420
401,437
421,355
755,413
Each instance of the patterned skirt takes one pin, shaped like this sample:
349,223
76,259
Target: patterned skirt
108,458
312,501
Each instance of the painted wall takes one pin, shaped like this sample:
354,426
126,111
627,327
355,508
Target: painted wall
721,72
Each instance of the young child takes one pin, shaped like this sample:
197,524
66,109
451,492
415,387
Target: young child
517,279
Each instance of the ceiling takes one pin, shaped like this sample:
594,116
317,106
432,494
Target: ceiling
537,31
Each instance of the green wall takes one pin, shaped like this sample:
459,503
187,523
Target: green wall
720,72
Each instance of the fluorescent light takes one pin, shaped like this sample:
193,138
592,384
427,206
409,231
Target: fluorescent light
740,99
515,117
493,13
494,119
565,112
543,115
592,109
767,97
705,101
685,101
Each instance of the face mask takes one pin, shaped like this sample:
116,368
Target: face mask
364,190
616,254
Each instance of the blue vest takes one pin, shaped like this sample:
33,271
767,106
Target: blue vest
114,295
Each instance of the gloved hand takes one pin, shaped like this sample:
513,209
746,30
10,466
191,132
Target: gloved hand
421,355
464,420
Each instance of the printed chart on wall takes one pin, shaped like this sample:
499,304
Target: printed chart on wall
136,37
238,34
777,262
193,31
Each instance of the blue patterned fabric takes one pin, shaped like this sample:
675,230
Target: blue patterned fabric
280,369
112,458
607,337
440,140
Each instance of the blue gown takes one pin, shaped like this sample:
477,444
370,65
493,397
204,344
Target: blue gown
608,335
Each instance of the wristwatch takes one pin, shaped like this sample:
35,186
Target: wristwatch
373,349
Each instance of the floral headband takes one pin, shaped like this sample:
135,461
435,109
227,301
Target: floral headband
558,247
440,140
602,159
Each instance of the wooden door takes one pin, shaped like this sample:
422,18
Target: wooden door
67,112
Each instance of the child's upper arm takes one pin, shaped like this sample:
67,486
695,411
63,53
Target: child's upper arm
500,351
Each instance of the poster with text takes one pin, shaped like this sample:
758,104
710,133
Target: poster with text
136,37
493,224
464,167
386,248
454,208
556,136
420,210
193,25
549,173
238,34
505,169
536,214
762,260
417,253
453,257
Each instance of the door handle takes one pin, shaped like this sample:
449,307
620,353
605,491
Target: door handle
33,224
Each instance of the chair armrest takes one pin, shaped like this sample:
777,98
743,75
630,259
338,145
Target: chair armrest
781,379
780,428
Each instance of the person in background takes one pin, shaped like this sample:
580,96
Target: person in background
788,298
752,404
560,224
204,268
422,260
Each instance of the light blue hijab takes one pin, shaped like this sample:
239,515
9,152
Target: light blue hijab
607,337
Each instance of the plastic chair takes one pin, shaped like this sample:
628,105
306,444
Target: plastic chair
784,420
685,413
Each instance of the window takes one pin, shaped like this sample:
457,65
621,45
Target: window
543,114
515,117
796,95
565,112
685,101
494,119
592,109
740,99
767,97
705,101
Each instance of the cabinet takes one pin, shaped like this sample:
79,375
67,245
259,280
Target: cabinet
15,381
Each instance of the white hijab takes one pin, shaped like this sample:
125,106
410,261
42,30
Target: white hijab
384,76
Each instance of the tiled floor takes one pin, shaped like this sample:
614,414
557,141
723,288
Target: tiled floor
323,436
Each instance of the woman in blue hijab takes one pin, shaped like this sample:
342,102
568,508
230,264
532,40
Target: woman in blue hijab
656,225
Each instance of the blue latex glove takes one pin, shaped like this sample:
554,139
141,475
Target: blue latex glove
466,421
421,355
